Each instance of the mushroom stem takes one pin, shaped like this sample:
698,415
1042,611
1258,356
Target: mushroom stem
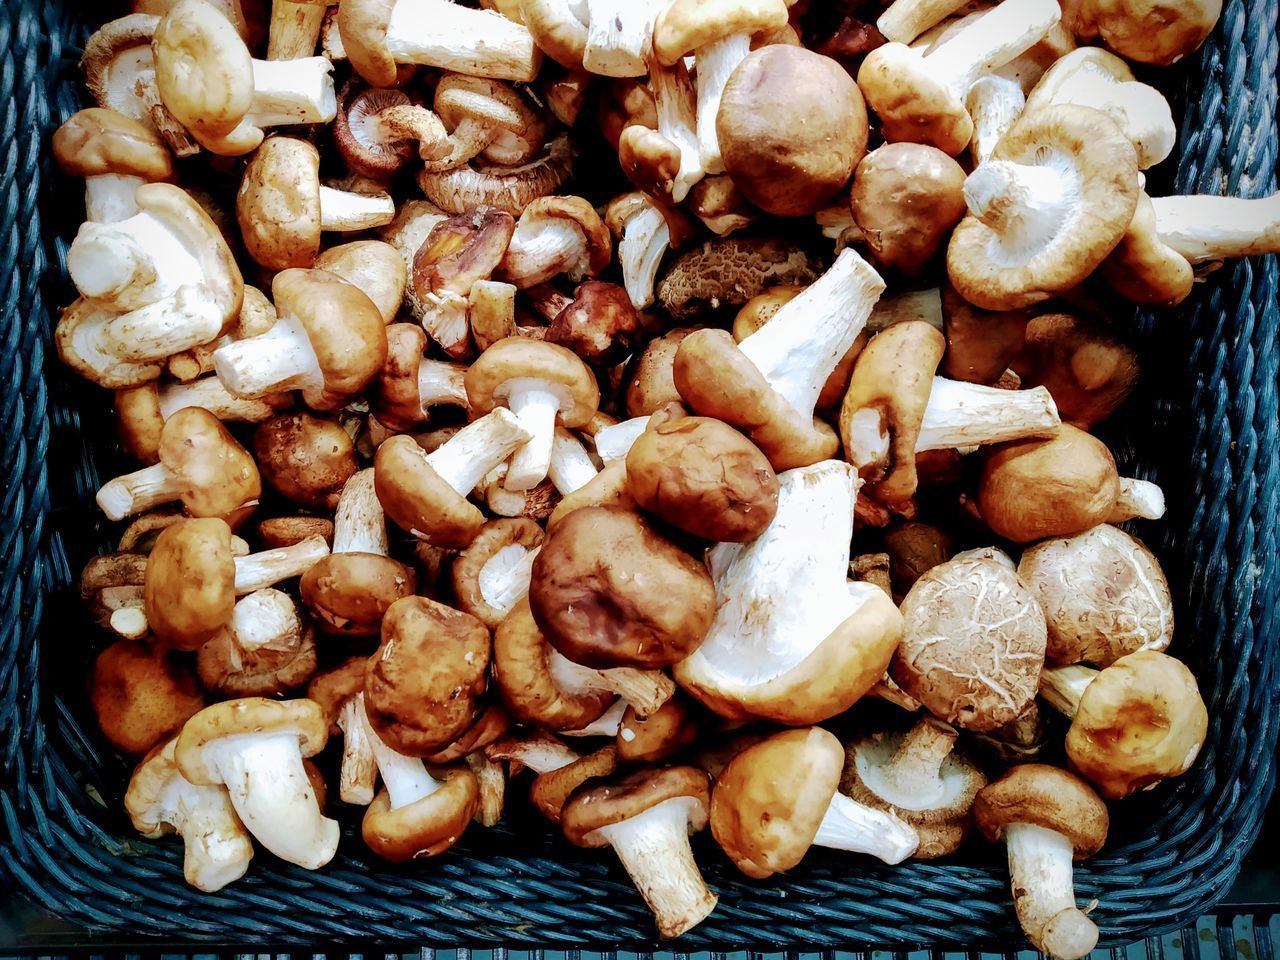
295,28
208,393
280,359
645,691
913,773
260,570
505,577
674,97
346,212
108,198
619,37
216,850
271,792
994,103
447,35
186,318
1040,874
359,525
288,92
406,778
716,63
536,406
645,239
139,491
654,849
571,467
464,459
359,773
615,441
961,414
440,382
907,19
606,725
1138,498
1062,687
1024,204
131,263
542,249
991,41
799,348
1209,228
849,825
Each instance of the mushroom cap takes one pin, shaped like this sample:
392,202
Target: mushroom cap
373,266
686,25
1103,594
1043,796
423,686
1158,32
596,237
77,339
621,798
729,271
426,827
981,344
97,141
1033,489
228,670
419,500
278,204
704,478
551,790
1088,370
345,329
972,645
988,265
522,671
609,591
914,549
510,189
507,539
1139,721
397,399
650,383
769,801
190,589
910,103
1143,268
659,736
600,325
139,422
520,358
348,593
219,477
333,688
141,695
792,126
276,532
307,459
362,24
608,488
151,778
248,715
110,583
493,724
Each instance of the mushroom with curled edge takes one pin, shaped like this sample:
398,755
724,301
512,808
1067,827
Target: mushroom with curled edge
141,695
160,801
973,642
791,640
1089,370
1158,32
1048,818
255,747
777,798
294,29
651,160
200,463
426,493
376,130
658,737
646,816
508,188
542,384
209,82
410,384
115,154
608,488
263,651
650,382
378,35
307,459
1055,198
372,266
554,236
730,271
768,385
80,339
1134,723
994,103
721,206
349,591
919,777
329,343
423,686
553,787
485,117
193,579
339,692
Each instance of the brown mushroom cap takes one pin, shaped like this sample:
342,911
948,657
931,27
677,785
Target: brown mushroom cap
608,591
659,736
397,398
516,358
139,422
914,549
348,593
1083,364
254,715
218,476
308,459
1034,489
703,477
1143,268
981,344
497,542
493,724
278,204
550,791
621,798
141,696
333,688
190,583
426,827
608,488
600,325
1158,32
792,126
373,267
267,671
362,24
366,156
286,531
972,644
97,141
423,686
1043,796
419,499
911,104
650,384
686,25
729,271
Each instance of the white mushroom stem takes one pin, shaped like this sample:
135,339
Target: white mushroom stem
654,849
1204,229
961,414
994,103
208,393
676,103
405,778
615,441
716,63
188,317
644,690
345,212
571,467
1024,204
542,248
477,448
505,577
536,403
645,239
1040,874
990,41
440,382
132,263
108,198
288,92
271,792
907,19
1138,498
265,619
359,772
1062,687
295,28
799,348
606,725
449,36
139,491
849,825
923,305
216,850
260,570
359,525
619,37
280,359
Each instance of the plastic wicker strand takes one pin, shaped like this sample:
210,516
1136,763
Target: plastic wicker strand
1213,441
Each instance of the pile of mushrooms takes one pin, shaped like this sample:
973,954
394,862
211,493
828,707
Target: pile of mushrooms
679,410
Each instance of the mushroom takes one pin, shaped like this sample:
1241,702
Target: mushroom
1054,199
904,20
349,591
981,344
493,724
1048,818
647,817
306,458
728,272
973,643
650,382
81,343
340,693
426,493
411,384
619,37
919,777
994,104
768,385
791,640
552,788
277,532
535,750
658,737
263,651
704,478
1081,362
1021,740
559,28
377,35
571,467
556,235
373,267
414,221
792,126
256,747
914,549
141,695
1134,723
721,206
375,130
1158,32
509,188
609,591
675,102
294,28
491,309
160,801
115,154
212,86
599,324
257,316
485,117
1205,229
608,488
111,590
543,384
423,685
329,343
616,440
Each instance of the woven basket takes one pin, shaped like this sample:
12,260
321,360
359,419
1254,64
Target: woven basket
1206,428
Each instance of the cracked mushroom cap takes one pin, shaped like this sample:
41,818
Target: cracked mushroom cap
609,591
704,478
659,736
483,573
426,827
620,798
550,791
190,589
419,500
99,142
520,358
1043,796
1087,369
972,645
423,685
278,204
252,715
1103,594
600,324
729,271
307,459
372,266
141,695
349,593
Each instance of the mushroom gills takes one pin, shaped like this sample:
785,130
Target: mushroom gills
504,578
544,248
287,92
1025,205
216,850
280,359
852,826
1040,874
606,725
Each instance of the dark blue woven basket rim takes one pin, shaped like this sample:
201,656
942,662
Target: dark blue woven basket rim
1218,410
